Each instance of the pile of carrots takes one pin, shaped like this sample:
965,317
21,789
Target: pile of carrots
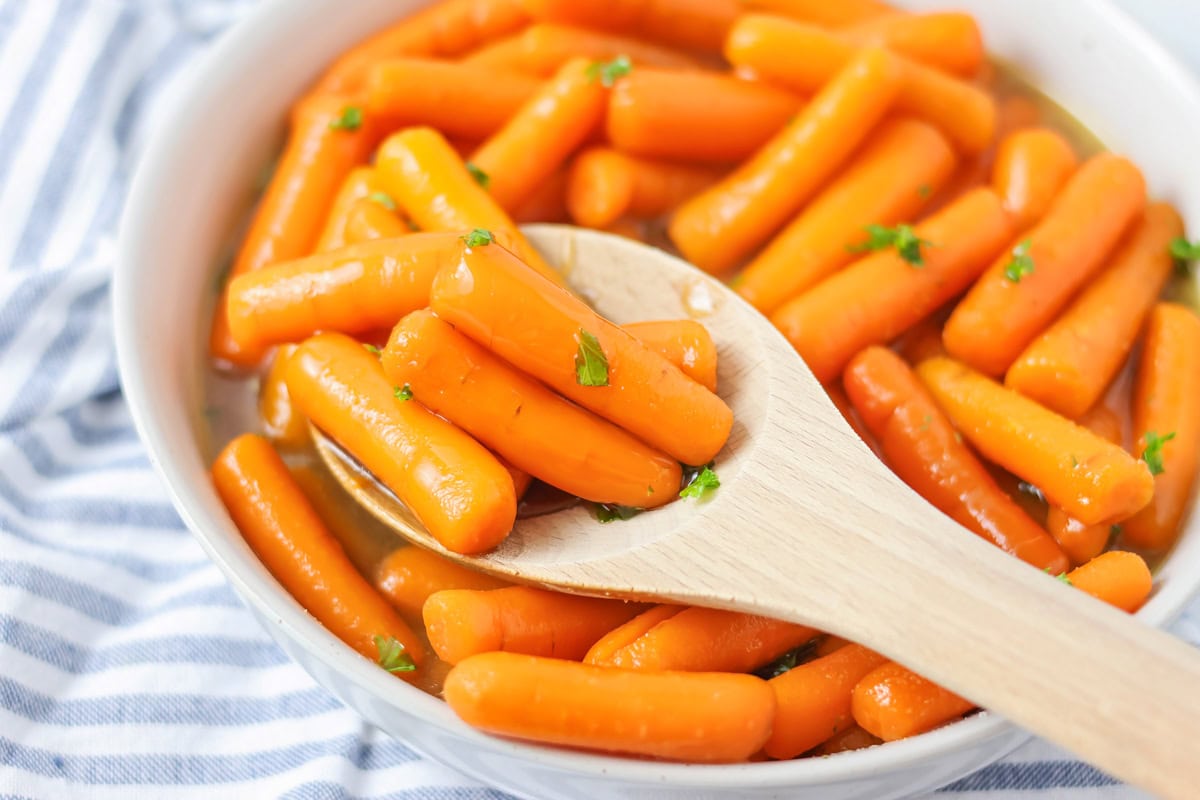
981,299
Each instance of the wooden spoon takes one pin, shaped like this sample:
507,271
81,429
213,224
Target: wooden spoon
809,526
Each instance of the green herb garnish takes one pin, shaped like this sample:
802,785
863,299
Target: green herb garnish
478,238
403,392
384,199
1152,451
701,484
902,237
789,660
392,655
481,177
1021,263
370,348
607,512
351,119
607,72
591,365
1184,253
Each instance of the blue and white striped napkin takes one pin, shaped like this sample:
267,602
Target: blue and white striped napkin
128,668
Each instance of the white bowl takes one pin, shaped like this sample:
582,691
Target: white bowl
197,180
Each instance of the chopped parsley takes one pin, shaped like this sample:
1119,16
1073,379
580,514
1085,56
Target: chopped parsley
384,199
701,483
370,348
392,655
902,237
478,238
591,365
351,119
403,392
789,660
1115,530
481,177
1021,263
1152,451
608,512
1184,253
607,72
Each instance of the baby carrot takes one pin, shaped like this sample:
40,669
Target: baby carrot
605,185
685,343
948,41
1082,542
903,164
654,114
434,187
893,702
542,49
522,421
813,699
693,717
284,425
315,161
718,228
519,619
1031,166
1166,419
1090,478
603,650
543,133
359,533
690,24
286,534
409,575
1118,578
369,220
1026,288
768,46
359,184
557,339
456,488
851,738
822,12
921,445
879,297
1069,365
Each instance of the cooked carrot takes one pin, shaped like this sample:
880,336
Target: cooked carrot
768,46
823,12
685,343
1026,288
315,161
626,383
654,114
949,41
723,225
877,298
520,619
710,640
603,650
456,488
1090,478
1031,167
444,30
1166,403
605,185
922,447
539,138
813,699
459,99
851,738
282,423
541,50
521,420
369,220
903,164
435,188
693,717
359,184
893,702
365,540
1082,542
923,340
1118,578
547,203
1069,365
286,534
409,575
691,24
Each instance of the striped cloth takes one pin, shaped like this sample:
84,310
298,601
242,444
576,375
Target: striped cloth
128,668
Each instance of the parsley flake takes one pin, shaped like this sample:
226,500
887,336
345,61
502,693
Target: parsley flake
607,72
1021,263
1115,530
403,392
924,190
1184,253
351,119
701,484
902,237
478,238
384,199
392,655
1152,451
608,512
481,177
370,348
591,365
1064,579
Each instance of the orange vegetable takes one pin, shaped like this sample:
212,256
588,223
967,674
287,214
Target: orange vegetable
519,619
603,650
1166,401
836,14
685,343
851,738
693,717
360,534
923,340
1082,542
877,298
645,394
284,425
286,534
1068,367
893,702
409,575
1090,478
921,446
456,488
1031,166
541,50
369,220
521,420
1118,578
548,203
358,185
1000,316
723,225
949,41
890,180
605,185
691,24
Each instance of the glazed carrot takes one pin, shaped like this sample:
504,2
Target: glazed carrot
521,420
369,220
1118,578
315,161
616,639
1082,542
286,534
768,46
710,640
893,702
690,24
1069,365
1031,167
1026,288
459,99
693,717
723,225
1166,402
362,536
548,203
541,50
822,12
949,41
543,133
923,340
903,164
877,298
283,424
921,446
444,30
435,188
358,185
456,488
654,114
605,185
628,384
1090,478
685,343
813,699
851,738
520,619
409,575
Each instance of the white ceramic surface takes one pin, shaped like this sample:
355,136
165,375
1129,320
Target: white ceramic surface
1083,53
